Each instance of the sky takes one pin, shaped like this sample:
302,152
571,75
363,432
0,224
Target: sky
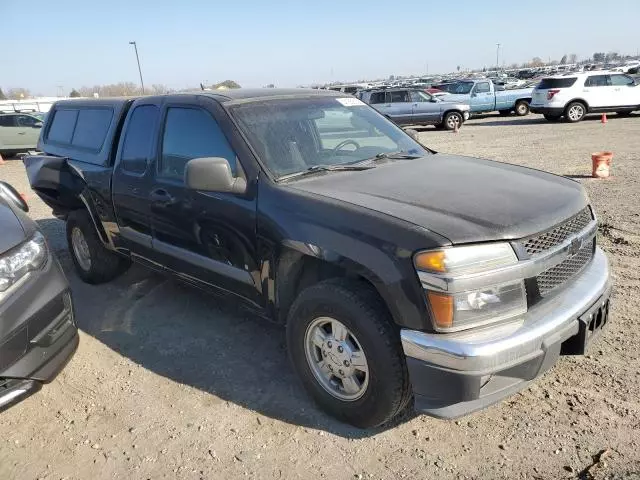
53,45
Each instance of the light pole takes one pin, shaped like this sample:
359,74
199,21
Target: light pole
497,56
135,47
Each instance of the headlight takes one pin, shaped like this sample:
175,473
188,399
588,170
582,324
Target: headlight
454,310
27,257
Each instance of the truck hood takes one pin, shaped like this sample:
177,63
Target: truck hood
11,228
461,198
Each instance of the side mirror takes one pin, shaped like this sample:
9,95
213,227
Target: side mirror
11,195
212,174
433,100
37,125
474,94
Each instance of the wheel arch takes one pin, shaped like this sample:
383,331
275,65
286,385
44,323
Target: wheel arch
300,266
577,99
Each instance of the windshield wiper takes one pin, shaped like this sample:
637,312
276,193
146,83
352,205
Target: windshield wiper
326,168
399,155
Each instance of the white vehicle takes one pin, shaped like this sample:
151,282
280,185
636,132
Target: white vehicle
574,96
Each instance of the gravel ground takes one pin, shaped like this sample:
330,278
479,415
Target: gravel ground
170,383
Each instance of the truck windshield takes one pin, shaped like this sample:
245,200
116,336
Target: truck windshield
296,134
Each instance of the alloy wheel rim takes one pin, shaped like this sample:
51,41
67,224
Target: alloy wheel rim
80,249
453,121
575,112
336,359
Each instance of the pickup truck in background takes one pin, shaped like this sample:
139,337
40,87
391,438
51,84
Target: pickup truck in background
483,97
398,272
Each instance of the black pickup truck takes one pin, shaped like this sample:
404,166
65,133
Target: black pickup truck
400,273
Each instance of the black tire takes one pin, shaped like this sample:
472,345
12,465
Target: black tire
504,113
358,306
450,118
104,264
522,108
552,118
576,107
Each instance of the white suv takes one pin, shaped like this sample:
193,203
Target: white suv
575,95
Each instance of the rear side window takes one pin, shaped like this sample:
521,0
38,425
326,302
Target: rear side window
482,87
548,83
62,126
7,121
84,128
91,128
597,81
191,133
377,97
621,80
138,141
401,96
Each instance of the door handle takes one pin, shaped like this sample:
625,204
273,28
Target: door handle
22,133
161,197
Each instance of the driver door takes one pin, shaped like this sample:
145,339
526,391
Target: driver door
482,97
206,237
425,108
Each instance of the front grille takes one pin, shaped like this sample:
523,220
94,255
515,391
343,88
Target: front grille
556,276
558,234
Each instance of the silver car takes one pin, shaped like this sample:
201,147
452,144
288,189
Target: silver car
406,106
19,132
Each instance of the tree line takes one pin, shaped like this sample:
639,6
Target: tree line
121,89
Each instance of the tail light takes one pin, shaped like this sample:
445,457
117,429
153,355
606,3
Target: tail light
551,94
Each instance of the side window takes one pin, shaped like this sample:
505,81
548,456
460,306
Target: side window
26,120
621,80
91,128
62,126
7,120
417,96
597,81
138,141
377,97
191,133
400,96
482,87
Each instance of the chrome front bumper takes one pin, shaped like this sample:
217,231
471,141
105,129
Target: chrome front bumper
476,368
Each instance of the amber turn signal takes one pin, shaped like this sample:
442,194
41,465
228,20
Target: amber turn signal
442,309
430,261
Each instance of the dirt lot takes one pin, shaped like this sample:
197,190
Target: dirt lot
170,383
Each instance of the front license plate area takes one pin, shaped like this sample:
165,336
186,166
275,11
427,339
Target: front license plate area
590,326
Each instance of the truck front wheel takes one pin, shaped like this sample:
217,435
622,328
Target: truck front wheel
347,352
93,262
522,108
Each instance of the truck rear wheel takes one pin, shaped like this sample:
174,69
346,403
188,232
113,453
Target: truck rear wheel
347,352
522,108
94,263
